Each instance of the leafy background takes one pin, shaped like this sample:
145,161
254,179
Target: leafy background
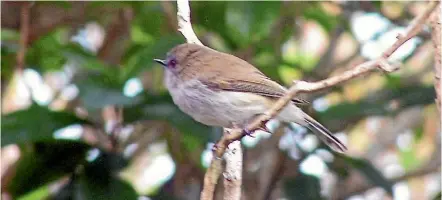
89,117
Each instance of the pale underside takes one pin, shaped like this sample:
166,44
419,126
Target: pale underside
225,108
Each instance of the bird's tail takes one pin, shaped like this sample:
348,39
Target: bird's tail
324,134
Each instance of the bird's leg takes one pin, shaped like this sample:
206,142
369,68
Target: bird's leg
245,131
263,127
215,147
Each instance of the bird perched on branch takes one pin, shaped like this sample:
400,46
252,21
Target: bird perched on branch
219,89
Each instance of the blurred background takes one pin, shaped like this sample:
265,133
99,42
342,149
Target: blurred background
85,114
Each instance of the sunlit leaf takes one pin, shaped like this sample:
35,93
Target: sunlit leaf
39,193
35,124
96,93
45,54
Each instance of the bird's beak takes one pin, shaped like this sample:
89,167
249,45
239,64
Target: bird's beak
162,62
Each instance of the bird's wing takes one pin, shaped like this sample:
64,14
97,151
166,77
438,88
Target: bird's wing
263,87
254,81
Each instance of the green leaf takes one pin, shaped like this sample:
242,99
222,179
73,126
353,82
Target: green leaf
163,108
114,189
35,124
409,159
9,34
250,21
150,17
378,104
393,80
43,163
8,60
316,13
437,196
144,55
85,58
45,54
99,180
303,186
39,193
211,16
370,172
100,90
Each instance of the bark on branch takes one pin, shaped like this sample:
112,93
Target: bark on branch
233,172
184,24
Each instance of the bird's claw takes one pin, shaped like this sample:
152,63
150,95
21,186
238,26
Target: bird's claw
214,148
247,132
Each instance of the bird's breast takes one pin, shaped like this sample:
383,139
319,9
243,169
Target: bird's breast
216,108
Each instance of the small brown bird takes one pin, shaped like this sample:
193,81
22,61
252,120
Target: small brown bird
219,89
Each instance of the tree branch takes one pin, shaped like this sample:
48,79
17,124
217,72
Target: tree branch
435,35
45,17
211,179
184,25
233,172
24,35
117,33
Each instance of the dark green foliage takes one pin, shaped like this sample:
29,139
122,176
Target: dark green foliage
370,172
35,124
42,163
303,186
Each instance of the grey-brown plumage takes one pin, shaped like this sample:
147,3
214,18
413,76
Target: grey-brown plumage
219,89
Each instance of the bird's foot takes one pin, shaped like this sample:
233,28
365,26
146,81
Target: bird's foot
214,148
247,132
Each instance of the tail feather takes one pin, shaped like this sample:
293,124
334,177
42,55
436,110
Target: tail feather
325,135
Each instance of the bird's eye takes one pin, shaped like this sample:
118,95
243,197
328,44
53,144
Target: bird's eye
172,63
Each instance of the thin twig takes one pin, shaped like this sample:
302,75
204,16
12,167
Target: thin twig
24,35
117,32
